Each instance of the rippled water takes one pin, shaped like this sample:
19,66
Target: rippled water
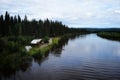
83,58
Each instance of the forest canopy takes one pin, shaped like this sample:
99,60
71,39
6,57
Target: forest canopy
15,26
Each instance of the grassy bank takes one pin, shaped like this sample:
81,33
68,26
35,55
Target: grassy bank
110,35
41,51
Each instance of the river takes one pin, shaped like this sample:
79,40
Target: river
86,57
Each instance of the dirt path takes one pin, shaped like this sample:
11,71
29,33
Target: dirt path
44,45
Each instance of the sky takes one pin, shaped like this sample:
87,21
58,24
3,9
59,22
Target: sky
74,13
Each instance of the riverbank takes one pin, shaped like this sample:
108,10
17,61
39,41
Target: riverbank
15,57
110,35
40,51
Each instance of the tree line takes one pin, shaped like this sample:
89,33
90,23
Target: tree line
15,26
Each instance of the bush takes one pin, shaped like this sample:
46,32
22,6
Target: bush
46,39
38,54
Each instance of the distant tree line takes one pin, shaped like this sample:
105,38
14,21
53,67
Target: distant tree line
15,26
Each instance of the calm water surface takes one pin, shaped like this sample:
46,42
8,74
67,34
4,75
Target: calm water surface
83,58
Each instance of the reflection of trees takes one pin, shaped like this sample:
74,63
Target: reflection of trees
57,50
74,36
82,36
12,63
40,60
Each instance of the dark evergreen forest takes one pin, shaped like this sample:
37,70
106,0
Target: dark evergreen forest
15,26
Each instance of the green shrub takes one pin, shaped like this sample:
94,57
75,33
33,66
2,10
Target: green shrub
46,39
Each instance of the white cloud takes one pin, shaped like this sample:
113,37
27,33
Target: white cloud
71,12
117,11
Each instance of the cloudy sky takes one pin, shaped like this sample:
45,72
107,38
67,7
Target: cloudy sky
74,13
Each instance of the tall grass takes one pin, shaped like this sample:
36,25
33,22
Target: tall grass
55,40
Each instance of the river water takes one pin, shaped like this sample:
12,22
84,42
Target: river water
86,57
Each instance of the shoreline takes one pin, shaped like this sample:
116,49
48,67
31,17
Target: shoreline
109,35
40,51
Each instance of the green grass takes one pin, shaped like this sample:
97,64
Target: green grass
41,51
55,40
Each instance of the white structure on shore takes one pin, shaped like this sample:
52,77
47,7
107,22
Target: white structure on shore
36,41
28,48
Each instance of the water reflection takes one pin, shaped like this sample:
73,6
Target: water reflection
10,64
13,63
58,48
85,57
